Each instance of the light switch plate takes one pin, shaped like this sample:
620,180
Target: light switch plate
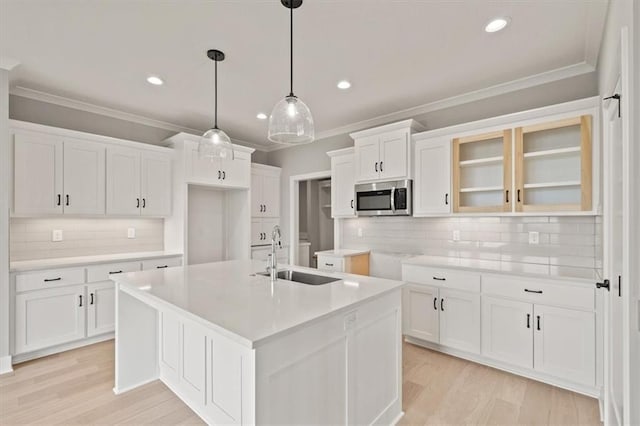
131,232
456,235
534,237
56,235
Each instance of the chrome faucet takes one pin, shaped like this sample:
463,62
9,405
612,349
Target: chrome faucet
272,267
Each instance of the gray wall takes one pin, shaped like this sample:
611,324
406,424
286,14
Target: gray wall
35,111
313,158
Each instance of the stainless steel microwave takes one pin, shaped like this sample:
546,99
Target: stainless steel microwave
392,198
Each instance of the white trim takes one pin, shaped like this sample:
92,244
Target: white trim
183,137
38,95
17,359
6,365
137,385
412,124
8,63
294,208
464,98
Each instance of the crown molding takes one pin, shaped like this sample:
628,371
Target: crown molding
38,95
7,63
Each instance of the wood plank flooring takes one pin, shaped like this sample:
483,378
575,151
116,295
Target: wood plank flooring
75,387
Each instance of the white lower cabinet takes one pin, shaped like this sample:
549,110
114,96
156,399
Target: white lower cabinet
440,315
49,317
261,230
564,343
507,331
101,308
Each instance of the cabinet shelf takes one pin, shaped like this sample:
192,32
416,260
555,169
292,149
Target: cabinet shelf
552,184
481,161
482,189
552,152
325,184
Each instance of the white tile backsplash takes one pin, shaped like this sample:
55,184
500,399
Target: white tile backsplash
30,238
569,245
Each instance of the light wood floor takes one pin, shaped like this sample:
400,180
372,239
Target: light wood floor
75,388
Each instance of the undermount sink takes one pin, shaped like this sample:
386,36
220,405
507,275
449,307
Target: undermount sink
302,277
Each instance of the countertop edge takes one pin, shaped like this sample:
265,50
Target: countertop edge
54,263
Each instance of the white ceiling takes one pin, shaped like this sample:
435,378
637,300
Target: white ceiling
397,54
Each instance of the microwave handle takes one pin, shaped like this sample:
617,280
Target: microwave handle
393,199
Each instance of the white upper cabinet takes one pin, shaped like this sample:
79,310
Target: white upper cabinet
236,172
432,187
384,153
265,191
342,183
38,174
156,184
138,183
84,177
123,181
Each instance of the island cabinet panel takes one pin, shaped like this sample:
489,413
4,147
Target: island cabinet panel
170,347
192,361
224,361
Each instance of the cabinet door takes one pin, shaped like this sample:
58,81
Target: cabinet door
460,320
38,174
565,343
394,155
507,331
420,317
432,187
236,172
342,186
84,177
367,158
201,170
156,184
101,308
123,181
257,205
49,317
271,196
258,236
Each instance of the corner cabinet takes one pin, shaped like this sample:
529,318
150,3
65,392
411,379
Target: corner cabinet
342,183
384,153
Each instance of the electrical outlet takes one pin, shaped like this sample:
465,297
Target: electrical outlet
456,235
359,232
534,237
131,232
56,235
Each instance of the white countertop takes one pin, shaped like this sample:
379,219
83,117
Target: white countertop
63,262
230,298
478,265
342,252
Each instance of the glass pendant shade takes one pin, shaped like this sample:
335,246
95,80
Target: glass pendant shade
215,144
291,122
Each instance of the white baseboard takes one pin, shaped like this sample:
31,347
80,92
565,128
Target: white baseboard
61,348
117,391
6,365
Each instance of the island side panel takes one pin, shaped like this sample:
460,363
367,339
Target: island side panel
136,351
343,369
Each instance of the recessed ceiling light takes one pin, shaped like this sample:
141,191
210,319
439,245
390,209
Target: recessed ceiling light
261,116
344,85
156,81
496,25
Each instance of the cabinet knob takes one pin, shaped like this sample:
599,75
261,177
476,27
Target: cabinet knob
80,300
67,200
91,301
137,203
442,304
59,199
381,166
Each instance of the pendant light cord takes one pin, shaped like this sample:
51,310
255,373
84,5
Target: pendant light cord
215,91
291,47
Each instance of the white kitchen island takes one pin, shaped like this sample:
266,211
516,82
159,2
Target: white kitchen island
240,350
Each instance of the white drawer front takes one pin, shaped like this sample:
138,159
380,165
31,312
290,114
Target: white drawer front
101,272
447,278
539,291
49,279
166,262
329,263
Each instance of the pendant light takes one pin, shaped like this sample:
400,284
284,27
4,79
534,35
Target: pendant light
291,121
215,143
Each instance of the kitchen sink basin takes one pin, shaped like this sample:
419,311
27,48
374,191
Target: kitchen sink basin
302,277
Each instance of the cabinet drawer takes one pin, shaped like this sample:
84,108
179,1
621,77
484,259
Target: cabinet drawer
166,262
539,291
329,263
49,279
447,278
101,272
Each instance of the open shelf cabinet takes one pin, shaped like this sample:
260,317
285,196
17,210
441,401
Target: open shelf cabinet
482,172
553,166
